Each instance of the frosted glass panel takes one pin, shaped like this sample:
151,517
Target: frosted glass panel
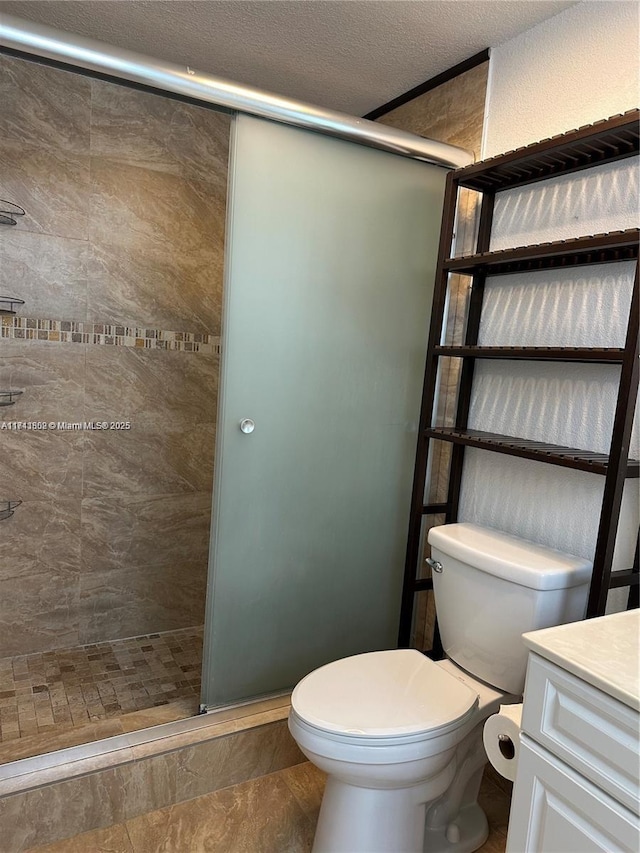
331,253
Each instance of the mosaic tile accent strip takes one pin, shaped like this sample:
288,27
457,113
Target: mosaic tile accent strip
69,331
61,689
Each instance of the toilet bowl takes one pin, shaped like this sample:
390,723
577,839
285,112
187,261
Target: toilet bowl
399,736
455,823
385,727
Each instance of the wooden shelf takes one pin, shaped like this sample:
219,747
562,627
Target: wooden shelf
598,249
592,355
625,577
552,454
603,142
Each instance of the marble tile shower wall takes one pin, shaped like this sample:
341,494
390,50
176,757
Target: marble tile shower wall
452,112
125,197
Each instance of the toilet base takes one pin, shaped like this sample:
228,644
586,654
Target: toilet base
467,833
375,820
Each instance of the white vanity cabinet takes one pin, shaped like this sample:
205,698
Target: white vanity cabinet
577,781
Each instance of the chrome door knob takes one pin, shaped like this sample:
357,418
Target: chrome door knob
247,426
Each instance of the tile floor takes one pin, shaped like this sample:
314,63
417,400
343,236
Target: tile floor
271,814
53,692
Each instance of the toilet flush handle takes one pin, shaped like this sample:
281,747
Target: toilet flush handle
435,565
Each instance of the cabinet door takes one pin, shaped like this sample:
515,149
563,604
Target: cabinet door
555,810
593,733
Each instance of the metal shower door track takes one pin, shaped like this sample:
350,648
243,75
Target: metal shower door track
74,51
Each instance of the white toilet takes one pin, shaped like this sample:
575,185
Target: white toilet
399,736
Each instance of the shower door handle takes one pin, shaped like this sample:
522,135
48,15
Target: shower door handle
247,426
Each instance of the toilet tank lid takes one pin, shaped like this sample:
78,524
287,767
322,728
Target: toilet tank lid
510,557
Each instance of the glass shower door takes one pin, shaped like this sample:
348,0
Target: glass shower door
330,260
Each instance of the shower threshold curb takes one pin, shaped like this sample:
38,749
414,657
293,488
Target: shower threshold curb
49,768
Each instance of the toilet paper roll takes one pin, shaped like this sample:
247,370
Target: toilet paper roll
501,736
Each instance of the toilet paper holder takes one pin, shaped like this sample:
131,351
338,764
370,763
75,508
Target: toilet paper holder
501,738
506,747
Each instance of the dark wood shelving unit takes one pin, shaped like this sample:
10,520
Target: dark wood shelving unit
603,142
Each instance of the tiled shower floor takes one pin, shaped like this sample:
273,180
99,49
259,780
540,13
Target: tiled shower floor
97,691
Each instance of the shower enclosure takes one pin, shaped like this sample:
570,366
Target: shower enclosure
118,262
329,253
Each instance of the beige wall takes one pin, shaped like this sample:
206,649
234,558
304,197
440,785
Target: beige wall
454,113
125,199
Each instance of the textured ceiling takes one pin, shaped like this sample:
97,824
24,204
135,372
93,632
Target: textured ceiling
350,55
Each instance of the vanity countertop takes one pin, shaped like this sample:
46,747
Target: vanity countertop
603,652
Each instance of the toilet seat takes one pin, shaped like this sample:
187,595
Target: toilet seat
397,695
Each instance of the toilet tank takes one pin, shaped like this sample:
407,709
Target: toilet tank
492,588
